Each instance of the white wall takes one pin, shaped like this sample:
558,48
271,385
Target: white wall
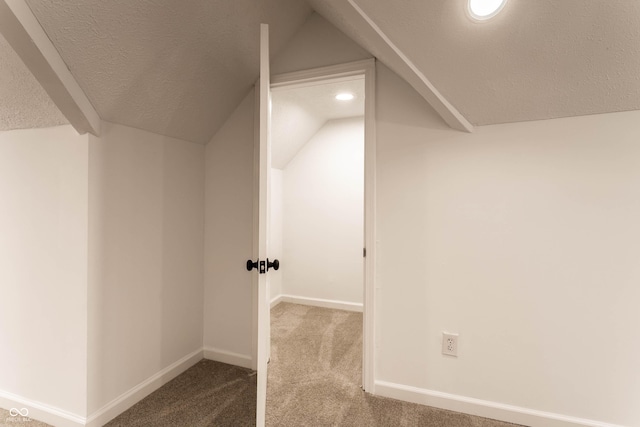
274,239
229,198
228,293
524,238
43,268
323,203
146,228
520,237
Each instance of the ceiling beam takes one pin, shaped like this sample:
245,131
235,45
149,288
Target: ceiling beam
24,33
395,59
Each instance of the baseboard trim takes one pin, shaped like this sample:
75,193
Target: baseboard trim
229,357
482,408
40,411
275,301
318,302
142,390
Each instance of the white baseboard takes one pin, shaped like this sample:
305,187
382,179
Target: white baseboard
229,357
39,411
317,302
142,390
61,418
482,408
277,300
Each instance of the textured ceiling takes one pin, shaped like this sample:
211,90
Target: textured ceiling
298,113
536,60
180,68
176,68
24,104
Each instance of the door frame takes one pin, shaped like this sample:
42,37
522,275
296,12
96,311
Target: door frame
364,68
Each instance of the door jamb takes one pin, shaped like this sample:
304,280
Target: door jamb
348,71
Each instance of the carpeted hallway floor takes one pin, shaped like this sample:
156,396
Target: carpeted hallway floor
209,394
314,380
315,377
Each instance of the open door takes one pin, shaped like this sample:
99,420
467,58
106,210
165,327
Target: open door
262,167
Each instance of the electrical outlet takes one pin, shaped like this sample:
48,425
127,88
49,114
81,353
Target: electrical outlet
450,344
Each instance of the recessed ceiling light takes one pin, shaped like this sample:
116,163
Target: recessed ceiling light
481,10
344,96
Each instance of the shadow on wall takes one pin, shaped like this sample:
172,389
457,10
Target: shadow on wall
146,225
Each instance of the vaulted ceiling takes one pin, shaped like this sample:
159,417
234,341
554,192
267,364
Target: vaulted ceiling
180,68
298,113
535,60
176,68
23,102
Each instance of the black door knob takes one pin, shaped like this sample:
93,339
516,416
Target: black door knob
275,264
251,265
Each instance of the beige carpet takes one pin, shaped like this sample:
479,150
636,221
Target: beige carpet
208,394
314,380
315,377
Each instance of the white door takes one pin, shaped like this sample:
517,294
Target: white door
263,159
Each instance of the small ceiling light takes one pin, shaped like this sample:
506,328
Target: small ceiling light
481,10
344,96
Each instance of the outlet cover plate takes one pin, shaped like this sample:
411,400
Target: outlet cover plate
450,344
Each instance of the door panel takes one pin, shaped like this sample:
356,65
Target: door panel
263,168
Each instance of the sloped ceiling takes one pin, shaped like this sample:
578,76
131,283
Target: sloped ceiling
24,103
180,68
176,68
298,113
536,60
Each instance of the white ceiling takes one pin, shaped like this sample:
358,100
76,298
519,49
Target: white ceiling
24,103
180,68
298,113
176,68
535,60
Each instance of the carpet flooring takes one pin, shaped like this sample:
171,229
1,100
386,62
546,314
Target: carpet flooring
209,394
315,375
314,380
